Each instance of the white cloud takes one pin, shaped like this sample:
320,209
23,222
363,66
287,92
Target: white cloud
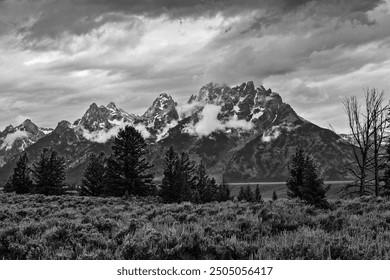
234,122
142,129
163,132
209,122
274,132
77,54
102,136
11,138
271,135
186,110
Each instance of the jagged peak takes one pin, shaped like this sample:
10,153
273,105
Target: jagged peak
27,121
93,105
249,86
164,95
163,100
210,85
111,105
63,124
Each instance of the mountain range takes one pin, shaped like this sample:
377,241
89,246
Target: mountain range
245,133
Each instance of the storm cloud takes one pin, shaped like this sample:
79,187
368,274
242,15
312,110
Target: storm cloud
67,54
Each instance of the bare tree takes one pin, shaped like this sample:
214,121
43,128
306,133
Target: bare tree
380,122
367,129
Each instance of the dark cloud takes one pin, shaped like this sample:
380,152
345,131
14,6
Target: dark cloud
308,95
76,52
81,16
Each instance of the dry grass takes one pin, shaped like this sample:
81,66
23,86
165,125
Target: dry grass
69,227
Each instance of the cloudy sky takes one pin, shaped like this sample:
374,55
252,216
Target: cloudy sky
59,56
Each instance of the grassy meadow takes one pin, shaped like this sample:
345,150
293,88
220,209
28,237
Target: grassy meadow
72,227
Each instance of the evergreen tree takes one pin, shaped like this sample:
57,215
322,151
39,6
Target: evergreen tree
248,194
186,179
241,195
94,176
8,188
129,151
296,169
49,173
20,181
274,196
313,190
170,190
212,190
304,182
258,197
202,184
112,185
223,193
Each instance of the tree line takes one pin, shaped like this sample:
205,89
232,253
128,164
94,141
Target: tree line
126,172
46,175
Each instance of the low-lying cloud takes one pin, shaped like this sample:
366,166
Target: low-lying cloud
163,132
102,136
274,132
11,138
188,109
209,122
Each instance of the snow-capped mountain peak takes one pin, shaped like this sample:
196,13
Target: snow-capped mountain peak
16,139
102,118
162,112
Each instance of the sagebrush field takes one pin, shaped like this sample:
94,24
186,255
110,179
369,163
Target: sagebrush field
71,227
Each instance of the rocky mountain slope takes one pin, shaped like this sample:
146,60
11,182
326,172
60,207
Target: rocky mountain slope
14,140
244,133
249,134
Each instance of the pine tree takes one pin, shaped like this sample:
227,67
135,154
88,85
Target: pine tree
202,183
94,176
112,185
20,181
274,196
304,182
313,190
258,197
49,173
248,194
241,194
170,190
223,193
296,169
8,188
186,179
129,151
212,190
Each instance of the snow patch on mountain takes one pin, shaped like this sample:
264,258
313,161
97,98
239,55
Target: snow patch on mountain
46,130
209,122
9,140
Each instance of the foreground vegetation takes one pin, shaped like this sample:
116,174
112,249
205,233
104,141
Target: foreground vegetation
73,227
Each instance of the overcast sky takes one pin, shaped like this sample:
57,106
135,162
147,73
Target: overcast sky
59,56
